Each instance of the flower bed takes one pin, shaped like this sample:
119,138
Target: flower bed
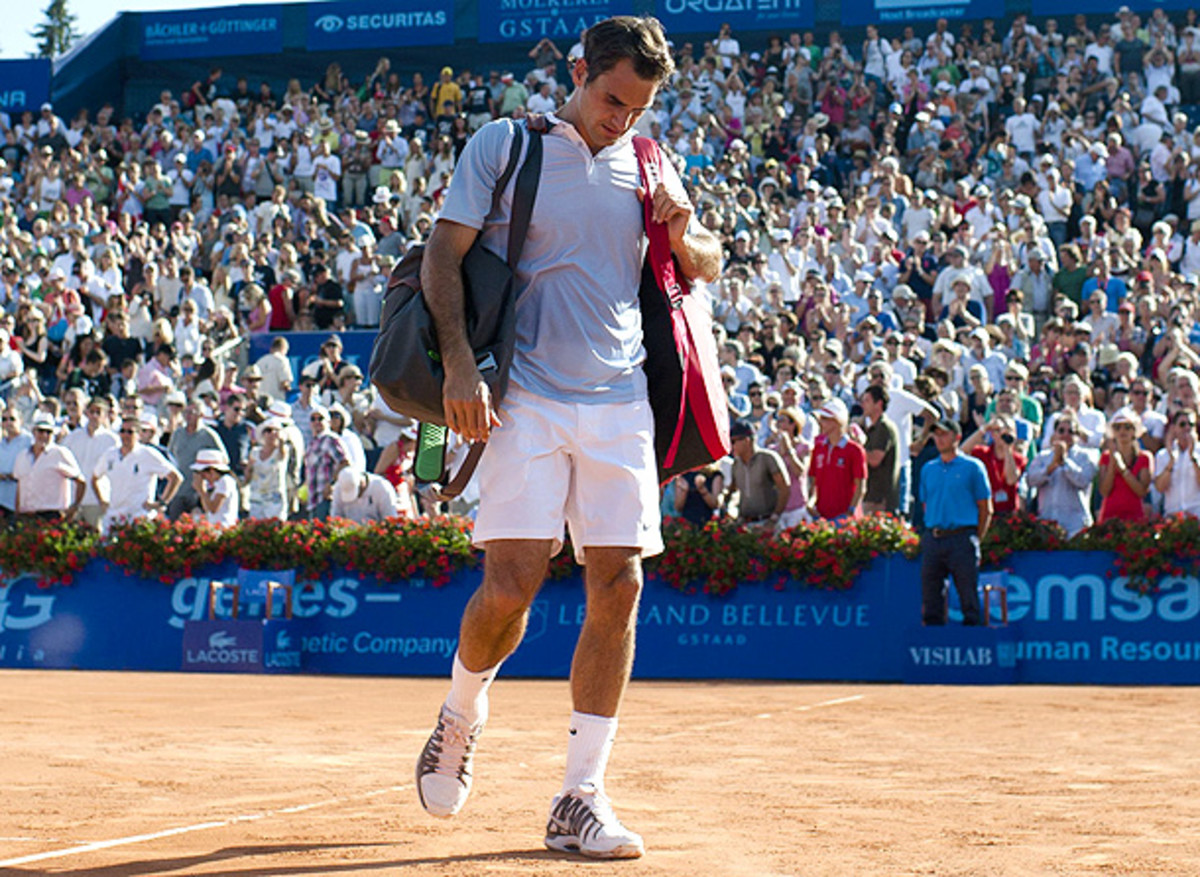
712,559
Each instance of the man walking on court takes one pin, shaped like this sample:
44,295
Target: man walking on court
573,441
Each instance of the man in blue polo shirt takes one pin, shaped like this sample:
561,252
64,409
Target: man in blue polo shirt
957,499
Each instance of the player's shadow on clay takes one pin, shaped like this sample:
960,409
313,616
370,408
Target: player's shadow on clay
184,863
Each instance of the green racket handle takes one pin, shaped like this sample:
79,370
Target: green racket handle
430,463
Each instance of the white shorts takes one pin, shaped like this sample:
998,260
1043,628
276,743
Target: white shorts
588,467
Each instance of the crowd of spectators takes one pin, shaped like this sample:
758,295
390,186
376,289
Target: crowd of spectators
996,225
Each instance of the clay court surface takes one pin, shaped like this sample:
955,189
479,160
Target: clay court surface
107,774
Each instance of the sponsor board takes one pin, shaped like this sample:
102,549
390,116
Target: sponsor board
211,33
371,24
956,655
223,646
304,347
908,11
506,20
24,85
1067,627
703,16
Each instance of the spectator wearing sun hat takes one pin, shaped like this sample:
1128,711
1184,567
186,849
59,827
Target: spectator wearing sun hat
185,446
215,487
1125,470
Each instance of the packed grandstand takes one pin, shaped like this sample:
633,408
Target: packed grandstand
1001,226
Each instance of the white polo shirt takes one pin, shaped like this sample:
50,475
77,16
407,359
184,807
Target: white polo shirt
579,329
45,483
132,481
88,449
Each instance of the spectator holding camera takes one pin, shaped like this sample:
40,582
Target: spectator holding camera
995,445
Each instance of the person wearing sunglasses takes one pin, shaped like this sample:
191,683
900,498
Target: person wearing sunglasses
1062,475
126,478
1178,466
1125,470
13,440
49,484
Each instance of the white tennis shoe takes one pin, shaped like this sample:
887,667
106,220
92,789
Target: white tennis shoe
444,768
582,821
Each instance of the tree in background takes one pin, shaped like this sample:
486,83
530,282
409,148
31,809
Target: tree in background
57,33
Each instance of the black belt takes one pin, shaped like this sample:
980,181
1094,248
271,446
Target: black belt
939,533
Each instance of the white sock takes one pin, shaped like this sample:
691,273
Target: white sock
588,748
468,692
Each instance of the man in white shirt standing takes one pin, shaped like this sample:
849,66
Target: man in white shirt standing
1023,129
125,480
88,443
49,483
1054,204
276,368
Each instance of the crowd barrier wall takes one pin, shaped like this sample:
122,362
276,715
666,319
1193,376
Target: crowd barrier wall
1071,622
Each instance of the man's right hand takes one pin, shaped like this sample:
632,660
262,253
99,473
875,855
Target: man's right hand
467,401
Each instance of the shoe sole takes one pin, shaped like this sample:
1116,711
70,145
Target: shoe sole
572,845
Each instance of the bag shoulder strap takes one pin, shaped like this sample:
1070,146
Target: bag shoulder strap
524,195
670,281
514,156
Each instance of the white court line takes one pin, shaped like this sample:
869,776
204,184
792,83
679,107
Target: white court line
186,829
803,708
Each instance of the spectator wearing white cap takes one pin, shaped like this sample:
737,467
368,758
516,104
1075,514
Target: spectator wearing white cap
363,497
837,476
215,488
126,479
49,482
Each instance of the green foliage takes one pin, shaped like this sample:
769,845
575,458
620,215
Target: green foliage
57,32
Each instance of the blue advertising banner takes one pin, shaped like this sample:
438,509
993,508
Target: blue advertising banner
501,21
211,33
908,11
379,24
1051,8
303,347
706,16
24,85
1066,627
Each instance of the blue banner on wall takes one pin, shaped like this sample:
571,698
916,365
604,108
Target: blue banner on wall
380,24
211,33
1067,627
706,16
303,347
906,11
501,21
24,85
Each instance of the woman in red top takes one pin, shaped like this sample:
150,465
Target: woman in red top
995,445
1125,470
